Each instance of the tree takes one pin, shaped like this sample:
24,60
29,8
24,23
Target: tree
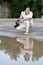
18,5
42,6
1,1
37,8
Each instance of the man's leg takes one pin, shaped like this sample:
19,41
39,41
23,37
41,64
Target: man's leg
21,26
27,26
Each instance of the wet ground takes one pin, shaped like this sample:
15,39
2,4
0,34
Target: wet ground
19,49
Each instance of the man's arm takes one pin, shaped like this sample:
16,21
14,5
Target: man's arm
27,19
21,17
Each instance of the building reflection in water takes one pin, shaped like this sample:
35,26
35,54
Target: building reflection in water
30,49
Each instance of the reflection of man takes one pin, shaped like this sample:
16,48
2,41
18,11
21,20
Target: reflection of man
25,19
27,57
28,46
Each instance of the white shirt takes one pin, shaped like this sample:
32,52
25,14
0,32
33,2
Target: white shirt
23,15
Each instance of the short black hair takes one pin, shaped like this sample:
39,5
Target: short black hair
26,7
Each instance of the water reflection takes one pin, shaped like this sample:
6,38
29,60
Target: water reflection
10,46
22,47
0,41
28,43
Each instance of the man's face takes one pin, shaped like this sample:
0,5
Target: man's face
27,11
26,57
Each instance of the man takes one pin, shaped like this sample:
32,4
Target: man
28,43
25,20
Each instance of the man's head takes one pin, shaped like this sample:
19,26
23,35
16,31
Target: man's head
27,10
26,57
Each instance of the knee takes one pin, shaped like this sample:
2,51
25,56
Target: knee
27,22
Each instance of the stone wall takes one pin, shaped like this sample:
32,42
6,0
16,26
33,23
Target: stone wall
11,22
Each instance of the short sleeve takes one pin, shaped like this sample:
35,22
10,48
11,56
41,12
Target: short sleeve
31,15
21,15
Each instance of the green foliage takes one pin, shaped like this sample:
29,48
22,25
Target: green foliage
18,5
42,3
37,8
1,1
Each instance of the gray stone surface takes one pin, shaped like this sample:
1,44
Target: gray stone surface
11,22
7,25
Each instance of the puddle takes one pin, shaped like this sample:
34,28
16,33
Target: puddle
21,49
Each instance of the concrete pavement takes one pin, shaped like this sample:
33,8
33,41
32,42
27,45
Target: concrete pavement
11,22
7,25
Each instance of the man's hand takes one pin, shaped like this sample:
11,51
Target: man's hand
26,19
21,20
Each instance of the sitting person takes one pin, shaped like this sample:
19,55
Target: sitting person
25,20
